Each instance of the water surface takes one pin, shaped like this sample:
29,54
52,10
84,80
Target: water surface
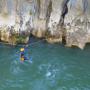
54,67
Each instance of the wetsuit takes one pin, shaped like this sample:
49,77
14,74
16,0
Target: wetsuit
22,56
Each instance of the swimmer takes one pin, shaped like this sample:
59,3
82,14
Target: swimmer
22,54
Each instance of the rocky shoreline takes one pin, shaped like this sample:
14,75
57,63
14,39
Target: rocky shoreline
10,36
54,20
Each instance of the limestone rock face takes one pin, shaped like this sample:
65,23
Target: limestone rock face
40,18
4,34
51,19
55,15
10,36
39,28
77,23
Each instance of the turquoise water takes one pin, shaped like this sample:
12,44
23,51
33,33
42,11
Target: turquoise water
54,67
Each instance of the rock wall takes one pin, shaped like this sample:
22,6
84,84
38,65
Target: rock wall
54,20
77,23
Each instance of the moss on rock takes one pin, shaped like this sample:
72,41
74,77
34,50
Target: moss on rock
19,39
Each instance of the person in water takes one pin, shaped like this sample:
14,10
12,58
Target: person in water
22,54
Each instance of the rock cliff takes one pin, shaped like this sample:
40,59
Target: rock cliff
54,20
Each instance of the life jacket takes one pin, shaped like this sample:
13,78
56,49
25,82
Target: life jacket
22,59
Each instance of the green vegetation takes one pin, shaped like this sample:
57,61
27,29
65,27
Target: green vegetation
19,39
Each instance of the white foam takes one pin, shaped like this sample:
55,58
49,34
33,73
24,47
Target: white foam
48,74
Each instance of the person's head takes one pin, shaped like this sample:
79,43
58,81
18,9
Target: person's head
22,49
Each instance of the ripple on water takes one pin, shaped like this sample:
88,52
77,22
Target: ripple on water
50,74
15,68
11,84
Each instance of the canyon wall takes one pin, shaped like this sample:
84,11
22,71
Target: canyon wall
54,20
